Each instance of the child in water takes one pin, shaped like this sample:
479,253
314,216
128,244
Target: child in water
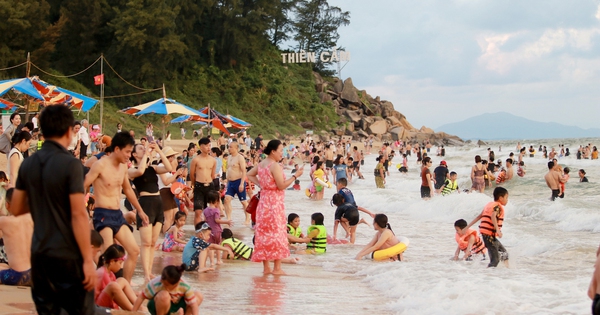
383,239
174,236
195,251
319,174
240,249
468,241
347,215
111,292
169,294
450,185
490,227
317,235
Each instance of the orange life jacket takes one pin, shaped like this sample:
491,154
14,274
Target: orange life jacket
463,242
501,177
486,226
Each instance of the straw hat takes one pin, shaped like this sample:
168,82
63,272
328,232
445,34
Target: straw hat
168,151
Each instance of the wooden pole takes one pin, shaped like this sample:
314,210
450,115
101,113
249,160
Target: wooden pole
101,91
28,99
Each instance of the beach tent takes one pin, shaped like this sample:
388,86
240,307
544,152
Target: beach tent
47,94
216,119
7,105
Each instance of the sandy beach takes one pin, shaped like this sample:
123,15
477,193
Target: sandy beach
239,286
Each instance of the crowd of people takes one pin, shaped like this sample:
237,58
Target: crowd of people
68,208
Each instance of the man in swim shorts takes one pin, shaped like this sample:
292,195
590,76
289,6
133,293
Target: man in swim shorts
329,160
236,181
50,187
16,233
203,170
109,176
553,180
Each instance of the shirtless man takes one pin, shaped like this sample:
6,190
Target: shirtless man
203,170
509,169
328,160
16,233
553,180
109,177
222,142
236,181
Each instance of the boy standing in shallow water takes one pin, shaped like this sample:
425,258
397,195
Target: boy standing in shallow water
490,227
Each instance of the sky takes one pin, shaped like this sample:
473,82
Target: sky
445,61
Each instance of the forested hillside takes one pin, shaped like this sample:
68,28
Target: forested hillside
226,53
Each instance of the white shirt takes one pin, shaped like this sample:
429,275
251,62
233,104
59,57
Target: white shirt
20,155
84,136
34,120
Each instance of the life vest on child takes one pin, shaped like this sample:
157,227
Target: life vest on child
449,187
486,226
294,231
463,242
501,178
318,243
239,249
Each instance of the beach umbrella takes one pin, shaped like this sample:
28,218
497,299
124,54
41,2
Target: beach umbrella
186,118
162,106
47,94
54,95
7,105
22,85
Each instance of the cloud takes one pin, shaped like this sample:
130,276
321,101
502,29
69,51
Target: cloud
459,58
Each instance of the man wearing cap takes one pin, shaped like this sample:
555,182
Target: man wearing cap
440,173
203,170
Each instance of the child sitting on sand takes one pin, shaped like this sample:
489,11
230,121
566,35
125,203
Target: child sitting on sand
240,249
195,251
174,236
468,241
317,235
169,294
111,292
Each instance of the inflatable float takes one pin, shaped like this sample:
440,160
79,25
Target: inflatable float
323,183
385,254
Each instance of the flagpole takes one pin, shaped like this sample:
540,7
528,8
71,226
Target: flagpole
101,90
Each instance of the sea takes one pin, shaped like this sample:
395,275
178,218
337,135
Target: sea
552,245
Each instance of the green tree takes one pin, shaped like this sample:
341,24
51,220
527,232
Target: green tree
316,26
21,31
280,25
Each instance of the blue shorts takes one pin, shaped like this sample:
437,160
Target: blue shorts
11,277
233,188
108,218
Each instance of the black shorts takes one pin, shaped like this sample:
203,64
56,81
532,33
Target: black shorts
328,164
596,305
222,147
555,193
167,198
425,192
200,192
57,284
352,216
217,183
403,169
152,206
355,165
438,184
109,218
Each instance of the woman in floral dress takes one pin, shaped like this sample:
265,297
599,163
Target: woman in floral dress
270,231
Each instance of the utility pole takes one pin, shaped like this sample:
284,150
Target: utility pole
101,91
28,99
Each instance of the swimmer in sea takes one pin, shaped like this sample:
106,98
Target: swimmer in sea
553,180
385,237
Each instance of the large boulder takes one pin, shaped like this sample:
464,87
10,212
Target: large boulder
349,94
387,109
353,115
350,127
367,110
394,121
324,97
386,137
307,125
378,127
338,85
427,130
397,133
362,134
340,111
365,122
319,83
406,124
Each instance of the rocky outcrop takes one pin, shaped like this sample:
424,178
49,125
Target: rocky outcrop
362,115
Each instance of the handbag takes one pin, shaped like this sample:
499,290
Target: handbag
252,205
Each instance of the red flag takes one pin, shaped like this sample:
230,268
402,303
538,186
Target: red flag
99,79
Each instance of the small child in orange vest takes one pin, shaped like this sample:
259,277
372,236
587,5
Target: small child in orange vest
468,241
490,227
